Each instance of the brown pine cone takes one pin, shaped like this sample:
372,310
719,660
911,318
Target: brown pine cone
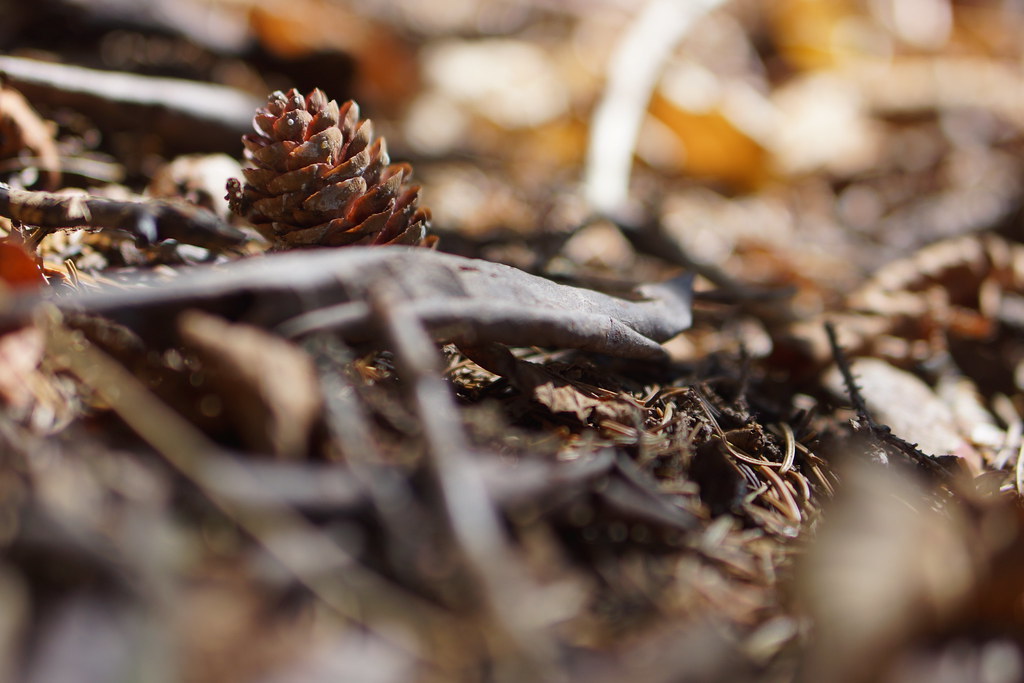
320,179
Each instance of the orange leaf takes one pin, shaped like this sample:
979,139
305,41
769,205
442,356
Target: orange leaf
18,268
715,149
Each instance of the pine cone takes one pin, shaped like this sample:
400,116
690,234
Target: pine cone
319,178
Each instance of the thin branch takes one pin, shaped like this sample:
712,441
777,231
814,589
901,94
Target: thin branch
881,432
843,363
187,114
470,512
148,221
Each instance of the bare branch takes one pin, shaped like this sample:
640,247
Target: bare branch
189,115
148,221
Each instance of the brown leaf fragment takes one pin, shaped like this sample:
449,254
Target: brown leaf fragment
564,396
19,268
22,130
21,351
268,386
550,388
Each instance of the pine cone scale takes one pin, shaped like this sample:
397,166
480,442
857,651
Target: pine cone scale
353,167
293,125
260,177
360,139
273,155
283,204
310,237
335,196
375,201
326,146
307,178
370,226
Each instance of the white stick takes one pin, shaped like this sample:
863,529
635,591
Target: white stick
633,74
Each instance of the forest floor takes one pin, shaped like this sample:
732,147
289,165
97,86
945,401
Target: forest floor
208,475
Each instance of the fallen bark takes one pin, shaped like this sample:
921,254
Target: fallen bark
459,300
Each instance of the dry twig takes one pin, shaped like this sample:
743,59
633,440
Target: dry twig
469,512
882,433
147,221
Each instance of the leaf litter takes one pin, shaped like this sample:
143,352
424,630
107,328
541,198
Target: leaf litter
500,459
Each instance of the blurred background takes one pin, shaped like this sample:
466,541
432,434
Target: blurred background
791,139
862,156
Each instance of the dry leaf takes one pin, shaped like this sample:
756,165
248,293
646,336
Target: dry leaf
561,395
18,268
21,350
549,388
713,147
268,386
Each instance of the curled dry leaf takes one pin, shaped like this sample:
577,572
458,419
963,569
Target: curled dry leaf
268,386
963,288
467,301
